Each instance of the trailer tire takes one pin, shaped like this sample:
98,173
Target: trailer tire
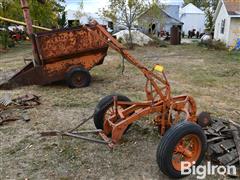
167,149
103,105
78,78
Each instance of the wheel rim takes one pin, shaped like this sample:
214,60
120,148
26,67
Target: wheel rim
108,113
78,79
188,149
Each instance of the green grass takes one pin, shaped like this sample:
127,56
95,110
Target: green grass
234,56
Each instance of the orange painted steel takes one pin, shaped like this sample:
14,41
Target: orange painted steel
159,99
188,149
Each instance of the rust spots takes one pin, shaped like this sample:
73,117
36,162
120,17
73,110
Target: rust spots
55,44
59,51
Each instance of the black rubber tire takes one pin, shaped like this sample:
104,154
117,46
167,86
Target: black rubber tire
83,73
102,107
169,141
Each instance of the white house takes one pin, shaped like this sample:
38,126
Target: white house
227,22
193,18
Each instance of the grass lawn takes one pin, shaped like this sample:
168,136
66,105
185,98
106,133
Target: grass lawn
211,77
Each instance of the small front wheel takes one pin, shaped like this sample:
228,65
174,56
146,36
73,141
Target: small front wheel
105,109
183,144
78,78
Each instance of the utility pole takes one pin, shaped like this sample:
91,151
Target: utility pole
27,18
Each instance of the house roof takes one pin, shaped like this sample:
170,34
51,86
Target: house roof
232,6
191,9
177,20
172,10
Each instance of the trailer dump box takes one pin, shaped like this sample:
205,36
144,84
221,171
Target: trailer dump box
65,54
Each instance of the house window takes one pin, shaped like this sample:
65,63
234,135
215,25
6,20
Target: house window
222,26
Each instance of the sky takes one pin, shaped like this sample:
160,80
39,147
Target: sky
89,5
93,6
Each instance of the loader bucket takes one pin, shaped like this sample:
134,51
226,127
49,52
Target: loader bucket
27,76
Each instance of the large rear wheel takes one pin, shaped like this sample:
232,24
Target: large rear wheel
183,144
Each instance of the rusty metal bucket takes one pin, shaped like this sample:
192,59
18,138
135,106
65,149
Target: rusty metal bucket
58,52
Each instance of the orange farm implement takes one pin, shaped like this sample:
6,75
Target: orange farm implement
175,116
183,139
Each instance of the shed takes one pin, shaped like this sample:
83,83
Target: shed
193,18
169,18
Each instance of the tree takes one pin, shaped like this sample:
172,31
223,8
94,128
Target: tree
43,15
210,9
79,13
47,14
125,12
154,15
7,9
62,19
11,9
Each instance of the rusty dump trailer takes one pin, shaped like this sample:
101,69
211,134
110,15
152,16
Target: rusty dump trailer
65,54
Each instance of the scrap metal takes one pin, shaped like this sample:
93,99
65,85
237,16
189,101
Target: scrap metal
223,142
15,109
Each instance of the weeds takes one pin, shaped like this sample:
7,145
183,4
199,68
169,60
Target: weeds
213,44
211,77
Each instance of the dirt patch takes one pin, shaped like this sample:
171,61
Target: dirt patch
211,77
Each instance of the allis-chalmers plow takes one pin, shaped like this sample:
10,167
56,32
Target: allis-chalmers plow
183,139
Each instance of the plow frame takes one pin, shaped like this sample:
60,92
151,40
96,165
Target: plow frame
159,99
117,124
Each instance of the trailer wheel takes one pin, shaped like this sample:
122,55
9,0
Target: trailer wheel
78,77
104,109
184,141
